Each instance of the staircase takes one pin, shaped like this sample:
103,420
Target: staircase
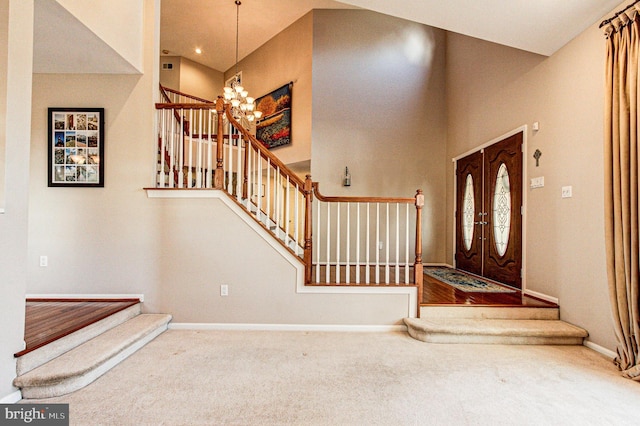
493,325
76,360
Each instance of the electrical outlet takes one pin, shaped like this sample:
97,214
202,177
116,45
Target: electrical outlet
224,290
380,245
567,191
44,261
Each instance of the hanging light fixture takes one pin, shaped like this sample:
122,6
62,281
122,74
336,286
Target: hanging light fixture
242,105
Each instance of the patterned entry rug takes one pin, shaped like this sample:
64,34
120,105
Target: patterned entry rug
464,282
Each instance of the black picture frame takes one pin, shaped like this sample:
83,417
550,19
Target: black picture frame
76,147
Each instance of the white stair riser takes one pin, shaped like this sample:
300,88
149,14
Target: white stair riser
494,339
485,312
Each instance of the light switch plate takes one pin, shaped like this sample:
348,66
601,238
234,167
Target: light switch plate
537,182
567,191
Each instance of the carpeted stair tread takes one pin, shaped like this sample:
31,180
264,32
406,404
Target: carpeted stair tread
473,330
85,363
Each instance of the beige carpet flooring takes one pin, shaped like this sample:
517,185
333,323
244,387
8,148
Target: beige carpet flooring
315,378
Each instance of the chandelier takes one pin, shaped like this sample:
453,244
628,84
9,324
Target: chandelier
242,105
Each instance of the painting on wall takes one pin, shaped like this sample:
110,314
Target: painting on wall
274,128
76,147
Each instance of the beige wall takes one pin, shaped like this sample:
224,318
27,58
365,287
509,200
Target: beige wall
105,15
98,240
170,78
196,259
199,80
4,29
191,78
13,223
379,109
285,58
491,90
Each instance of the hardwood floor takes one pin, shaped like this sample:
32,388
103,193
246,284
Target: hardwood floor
47,320
437,293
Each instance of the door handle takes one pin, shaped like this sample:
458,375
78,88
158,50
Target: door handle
480,223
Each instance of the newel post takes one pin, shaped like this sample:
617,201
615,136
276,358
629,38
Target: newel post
417,267
308,226
218,176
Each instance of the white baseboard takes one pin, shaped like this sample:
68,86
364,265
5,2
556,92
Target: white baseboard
286,327
12,398
542,296
601,350
140,297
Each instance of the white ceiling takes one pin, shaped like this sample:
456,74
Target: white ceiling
539,26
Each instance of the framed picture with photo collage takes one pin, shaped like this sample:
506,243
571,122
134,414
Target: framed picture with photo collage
76,147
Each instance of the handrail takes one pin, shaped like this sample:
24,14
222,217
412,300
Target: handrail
349,253
340,199
183,105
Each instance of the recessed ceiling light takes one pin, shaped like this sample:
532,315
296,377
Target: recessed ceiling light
198,50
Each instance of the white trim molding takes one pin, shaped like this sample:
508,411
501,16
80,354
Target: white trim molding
524,129
288,327
140,297
542,296
12,398
601,350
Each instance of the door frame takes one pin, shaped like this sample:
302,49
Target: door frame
524,130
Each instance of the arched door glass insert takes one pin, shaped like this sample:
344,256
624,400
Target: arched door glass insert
468,213
502,210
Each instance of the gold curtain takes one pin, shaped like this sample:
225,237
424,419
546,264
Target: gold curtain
621,185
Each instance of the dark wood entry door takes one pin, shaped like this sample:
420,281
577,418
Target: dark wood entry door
489,212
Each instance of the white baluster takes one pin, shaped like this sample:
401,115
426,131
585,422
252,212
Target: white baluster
397,279
338,243
368,245
328,260
199,169
296,222
190,161
348,271
181,151
406,247
287,213
358,243
318,245
386,263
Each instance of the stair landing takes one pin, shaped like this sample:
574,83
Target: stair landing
449,315
47,320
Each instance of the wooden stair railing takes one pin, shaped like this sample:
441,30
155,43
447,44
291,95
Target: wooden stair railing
371,224
217,152
170,96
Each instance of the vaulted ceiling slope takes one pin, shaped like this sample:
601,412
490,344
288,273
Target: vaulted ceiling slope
538,26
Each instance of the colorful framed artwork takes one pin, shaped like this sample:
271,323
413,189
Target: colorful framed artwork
76,147
274,128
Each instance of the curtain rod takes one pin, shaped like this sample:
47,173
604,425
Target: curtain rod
618,13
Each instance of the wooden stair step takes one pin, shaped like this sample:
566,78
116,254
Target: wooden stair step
495,331
79,367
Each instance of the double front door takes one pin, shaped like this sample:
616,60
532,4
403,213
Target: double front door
489,212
